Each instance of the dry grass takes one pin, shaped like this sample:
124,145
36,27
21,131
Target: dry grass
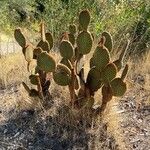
139,74
13,72
140,67
113,118
12,69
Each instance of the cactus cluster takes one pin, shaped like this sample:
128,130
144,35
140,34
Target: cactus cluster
45,62
74,46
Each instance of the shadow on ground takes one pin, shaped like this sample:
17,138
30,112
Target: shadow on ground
58,128
29,131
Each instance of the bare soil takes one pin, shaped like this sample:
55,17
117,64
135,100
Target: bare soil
136,123
57,127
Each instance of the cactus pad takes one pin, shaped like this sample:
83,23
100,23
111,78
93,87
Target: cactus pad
72,29
44,45
20,37
106,93
118,87
34,79
109,73
37,51
84,19
71,38
84,42
46,62
101,58
109,42
66,49
94,79
118,64
62,75
49,39
66,63
77,54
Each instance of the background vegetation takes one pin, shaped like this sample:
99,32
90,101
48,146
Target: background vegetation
122,18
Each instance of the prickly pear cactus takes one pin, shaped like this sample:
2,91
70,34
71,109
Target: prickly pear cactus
66,49
72,29
84,19
109,73
44,45
72,33
94,79
45,61
101,58
109,41
102,73
49,39
70,71
20,37
62,75
84,42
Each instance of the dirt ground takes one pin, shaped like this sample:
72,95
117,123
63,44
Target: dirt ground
54,129
136,123
57,128
125,124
